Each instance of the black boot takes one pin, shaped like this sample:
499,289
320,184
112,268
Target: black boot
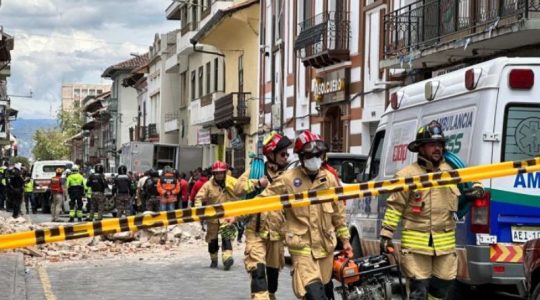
71,219
213,264
227,264
315,291
329,290
272,275
258,279
419,289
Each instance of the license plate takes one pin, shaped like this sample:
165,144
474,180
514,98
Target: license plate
485,239
523,234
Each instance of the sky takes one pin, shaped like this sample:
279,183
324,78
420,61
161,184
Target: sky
73,41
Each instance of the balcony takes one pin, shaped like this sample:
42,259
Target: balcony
137,133
231,110
428,34
202,109
152,133
324,39
171,122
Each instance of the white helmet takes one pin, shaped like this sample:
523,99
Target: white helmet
75,168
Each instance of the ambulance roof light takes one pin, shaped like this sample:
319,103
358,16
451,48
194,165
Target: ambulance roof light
395,99
472,77
521,79
431,88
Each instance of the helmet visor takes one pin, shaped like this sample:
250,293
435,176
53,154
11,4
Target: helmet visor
314,146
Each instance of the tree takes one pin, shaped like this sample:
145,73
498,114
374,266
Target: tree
71,122
50,145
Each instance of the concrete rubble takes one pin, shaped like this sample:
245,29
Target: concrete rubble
151,243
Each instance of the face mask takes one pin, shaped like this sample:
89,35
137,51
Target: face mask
313,164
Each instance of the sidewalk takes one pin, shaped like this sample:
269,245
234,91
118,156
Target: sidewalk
12,280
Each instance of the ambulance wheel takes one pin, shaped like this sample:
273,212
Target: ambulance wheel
357,248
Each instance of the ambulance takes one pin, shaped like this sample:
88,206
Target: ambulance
490,113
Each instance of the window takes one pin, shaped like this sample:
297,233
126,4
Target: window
183,89
184,17
208,71
194,17
99,92
278,20
375,155
241,74
521,125
200,81
216,74
193,77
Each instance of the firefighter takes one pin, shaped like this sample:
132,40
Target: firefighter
218,189
76,188
122,191
311,232
428,254
168,188
97,183
57,194
264,246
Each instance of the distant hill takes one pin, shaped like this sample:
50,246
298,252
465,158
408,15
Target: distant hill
24,129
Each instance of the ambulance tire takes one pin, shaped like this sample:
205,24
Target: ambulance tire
536,293
357,248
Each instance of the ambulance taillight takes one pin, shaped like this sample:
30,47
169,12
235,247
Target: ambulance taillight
480,214
521,79
394,101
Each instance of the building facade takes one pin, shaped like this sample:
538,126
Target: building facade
73,94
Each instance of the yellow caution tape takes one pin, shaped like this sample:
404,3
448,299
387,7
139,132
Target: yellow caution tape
271,203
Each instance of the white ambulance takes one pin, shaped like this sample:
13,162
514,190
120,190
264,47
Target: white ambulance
490,113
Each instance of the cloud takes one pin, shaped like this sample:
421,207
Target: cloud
66,41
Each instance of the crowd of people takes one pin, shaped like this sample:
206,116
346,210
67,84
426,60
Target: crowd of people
16,189
310,233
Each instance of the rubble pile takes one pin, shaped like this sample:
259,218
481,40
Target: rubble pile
151,243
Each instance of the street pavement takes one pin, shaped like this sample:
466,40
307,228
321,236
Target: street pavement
182,277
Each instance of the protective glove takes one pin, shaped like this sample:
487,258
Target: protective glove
386,245
476,192
228,231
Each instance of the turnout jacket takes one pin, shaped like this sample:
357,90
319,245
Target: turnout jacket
311,230
427,214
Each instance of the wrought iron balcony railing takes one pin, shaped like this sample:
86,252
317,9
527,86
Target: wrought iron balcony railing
324,39
423,24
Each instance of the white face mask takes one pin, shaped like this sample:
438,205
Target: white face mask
313,164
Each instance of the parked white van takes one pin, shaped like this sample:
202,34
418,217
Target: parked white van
42,172
490,113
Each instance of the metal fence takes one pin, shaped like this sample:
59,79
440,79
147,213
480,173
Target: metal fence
424,23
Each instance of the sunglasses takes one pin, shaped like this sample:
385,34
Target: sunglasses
284,154
312,155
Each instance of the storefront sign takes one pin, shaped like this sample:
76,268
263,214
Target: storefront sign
203,137
332,87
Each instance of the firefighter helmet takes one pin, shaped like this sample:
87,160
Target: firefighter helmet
431,132
275,142
309,142
219,166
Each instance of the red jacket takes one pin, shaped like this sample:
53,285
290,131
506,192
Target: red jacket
56,185
184,190
197,186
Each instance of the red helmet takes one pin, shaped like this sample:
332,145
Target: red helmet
309,142
275,142
219,166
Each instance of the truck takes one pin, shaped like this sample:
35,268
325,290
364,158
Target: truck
490,113
139,157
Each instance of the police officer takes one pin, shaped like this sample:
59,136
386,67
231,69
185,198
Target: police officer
15,184
76,188
311,232
98,184
122,191
428,255
264,245
219,189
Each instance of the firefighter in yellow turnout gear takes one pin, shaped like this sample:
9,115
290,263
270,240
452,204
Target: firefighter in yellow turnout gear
76,188
311,232
219,189
428,254
264,246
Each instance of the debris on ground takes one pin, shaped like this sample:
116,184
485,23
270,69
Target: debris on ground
148,243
